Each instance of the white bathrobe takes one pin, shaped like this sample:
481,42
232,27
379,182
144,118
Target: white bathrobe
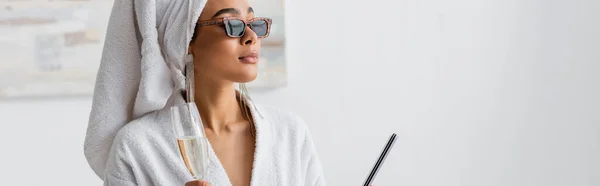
145,153
129,140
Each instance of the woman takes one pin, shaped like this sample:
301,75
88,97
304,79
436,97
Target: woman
129,139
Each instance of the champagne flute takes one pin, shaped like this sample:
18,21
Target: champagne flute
192,143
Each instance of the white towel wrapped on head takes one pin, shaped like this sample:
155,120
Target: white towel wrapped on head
142,62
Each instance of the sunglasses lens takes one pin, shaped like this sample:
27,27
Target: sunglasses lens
236,28
260,27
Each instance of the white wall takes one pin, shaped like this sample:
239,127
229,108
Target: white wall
42,143
488,93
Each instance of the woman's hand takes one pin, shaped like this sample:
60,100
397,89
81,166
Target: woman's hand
197,183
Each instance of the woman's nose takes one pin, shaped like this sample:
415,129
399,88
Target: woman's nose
249,37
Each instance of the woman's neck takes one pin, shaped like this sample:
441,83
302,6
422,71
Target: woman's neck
218,106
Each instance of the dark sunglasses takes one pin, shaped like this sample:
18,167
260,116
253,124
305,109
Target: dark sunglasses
235,27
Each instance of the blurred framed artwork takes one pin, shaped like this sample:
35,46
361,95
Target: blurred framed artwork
53,48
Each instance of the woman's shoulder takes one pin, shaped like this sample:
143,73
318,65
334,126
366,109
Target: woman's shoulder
146,143
148,129
279,115
282,121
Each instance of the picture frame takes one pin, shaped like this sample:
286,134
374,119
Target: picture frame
53,48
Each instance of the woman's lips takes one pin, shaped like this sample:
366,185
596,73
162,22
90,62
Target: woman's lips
249,58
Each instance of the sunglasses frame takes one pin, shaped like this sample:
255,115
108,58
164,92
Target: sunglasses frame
224,21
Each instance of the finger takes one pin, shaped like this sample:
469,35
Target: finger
194,183
197,183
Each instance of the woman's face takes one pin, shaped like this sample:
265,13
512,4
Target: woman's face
218,57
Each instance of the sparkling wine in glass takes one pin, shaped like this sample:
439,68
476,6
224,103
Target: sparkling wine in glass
191,141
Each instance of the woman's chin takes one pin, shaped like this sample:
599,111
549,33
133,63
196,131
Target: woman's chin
245,78
242,75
